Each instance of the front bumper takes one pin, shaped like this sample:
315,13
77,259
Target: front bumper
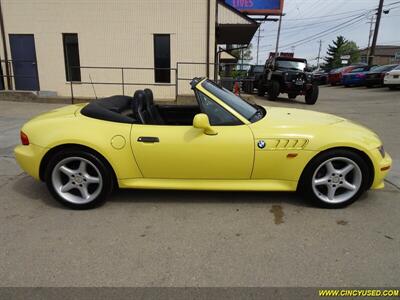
297,88
381,168
29,158
373,81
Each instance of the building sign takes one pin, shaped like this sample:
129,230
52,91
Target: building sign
281,54
287,54
257,7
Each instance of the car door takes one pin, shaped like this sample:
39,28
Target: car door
185,152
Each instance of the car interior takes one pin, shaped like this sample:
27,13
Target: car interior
140,109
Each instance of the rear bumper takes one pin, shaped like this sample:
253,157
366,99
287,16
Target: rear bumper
381,167
29,158
391,81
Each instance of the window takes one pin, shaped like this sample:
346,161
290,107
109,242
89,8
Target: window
237,103
291,64
216,114
71,57
162,58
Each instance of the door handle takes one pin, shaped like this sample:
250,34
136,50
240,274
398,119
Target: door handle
148,139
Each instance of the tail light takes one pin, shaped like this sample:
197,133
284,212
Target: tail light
24,139
383,75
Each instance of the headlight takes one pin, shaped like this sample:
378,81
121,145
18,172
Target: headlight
382,151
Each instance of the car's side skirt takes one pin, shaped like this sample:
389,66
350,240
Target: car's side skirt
214,185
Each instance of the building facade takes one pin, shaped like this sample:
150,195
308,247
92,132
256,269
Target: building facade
50,43
384,54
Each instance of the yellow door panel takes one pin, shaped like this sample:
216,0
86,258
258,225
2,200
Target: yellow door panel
186,152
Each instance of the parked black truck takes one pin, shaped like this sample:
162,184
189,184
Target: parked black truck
252,78
288,75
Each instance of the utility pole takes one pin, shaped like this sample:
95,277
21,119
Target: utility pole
319,53
278,35
370,36
258,41
375,38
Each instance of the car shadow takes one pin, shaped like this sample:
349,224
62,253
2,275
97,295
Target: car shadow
31,189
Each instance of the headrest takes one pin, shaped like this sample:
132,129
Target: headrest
149,96
139,100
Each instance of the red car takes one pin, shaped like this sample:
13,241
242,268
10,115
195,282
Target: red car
335,76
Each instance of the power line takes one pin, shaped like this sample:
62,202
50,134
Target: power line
327,31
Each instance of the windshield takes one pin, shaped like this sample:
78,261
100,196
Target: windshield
237,103
384,68
258,69
358,70
289,64
397,68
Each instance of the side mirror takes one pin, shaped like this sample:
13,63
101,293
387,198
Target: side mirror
201,121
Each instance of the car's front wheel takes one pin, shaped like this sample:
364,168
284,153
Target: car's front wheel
335,179
77,179
312,94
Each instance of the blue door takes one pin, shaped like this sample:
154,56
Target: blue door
24,64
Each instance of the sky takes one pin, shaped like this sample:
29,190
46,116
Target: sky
308,21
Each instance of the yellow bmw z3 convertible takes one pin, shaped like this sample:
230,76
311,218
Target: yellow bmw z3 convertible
223,143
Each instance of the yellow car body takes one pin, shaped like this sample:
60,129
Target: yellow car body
186,158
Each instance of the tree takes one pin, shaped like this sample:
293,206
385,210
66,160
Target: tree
340,47
350,48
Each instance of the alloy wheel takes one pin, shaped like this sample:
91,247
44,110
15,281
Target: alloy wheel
77,180
337,180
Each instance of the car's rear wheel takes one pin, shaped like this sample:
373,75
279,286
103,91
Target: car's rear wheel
77,179
260,89
292,96
335,179
273,91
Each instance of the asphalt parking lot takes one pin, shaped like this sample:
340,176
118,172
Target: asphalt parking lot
180,238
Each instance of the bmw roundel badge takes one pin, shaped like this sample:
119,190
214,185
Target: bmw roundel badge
261,144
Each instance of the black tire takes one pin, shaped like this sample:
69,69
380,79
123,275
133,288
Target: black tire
333,84
246,87
369,86
292,96
305,186
273,91
260,89
94,162
311,95
391,87
346,86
